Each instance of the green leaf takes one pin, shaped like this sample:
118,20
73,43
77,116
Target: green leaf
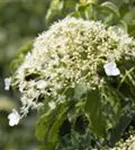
48,125
108,19
48,146
81,10
93,111
55,9
87,11
111,7
123,25
91,12
116,133
129,16
131,28
75,14
87,2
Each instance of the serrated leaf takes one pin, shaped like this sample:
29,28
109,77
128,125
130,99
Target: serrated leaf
48,126
53,133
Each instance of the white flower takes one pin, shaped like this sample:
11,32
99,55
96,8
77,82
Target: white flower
41,84
111,69
7,83
52,105
14,118
55,62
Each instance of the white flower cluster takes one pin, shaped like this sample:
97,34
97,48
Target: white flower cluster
128,144
70,53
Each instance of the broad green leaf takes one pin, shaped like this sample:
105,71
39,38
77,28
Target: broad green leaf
93,111
48,126
53,133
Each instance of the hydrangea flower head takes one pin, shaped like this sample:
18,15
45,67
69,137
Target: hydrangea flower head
68,54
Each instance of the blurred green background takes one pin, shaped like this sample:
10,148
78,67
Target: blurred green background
20,22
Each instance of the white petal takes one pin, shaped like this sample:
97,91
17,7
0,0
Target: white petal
108,71
110,65
115,72
41,84
11,123
7,83
14,118
111,69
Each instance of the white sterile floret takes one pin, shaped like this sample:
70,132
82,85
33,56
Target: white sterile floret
41,84
7,82
14,118
111,69
52,105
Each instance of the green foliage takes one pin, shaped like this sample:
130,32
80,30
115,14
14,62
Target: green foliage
93,110
111,7
85,141
108,110
118,113
59,9
48,126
